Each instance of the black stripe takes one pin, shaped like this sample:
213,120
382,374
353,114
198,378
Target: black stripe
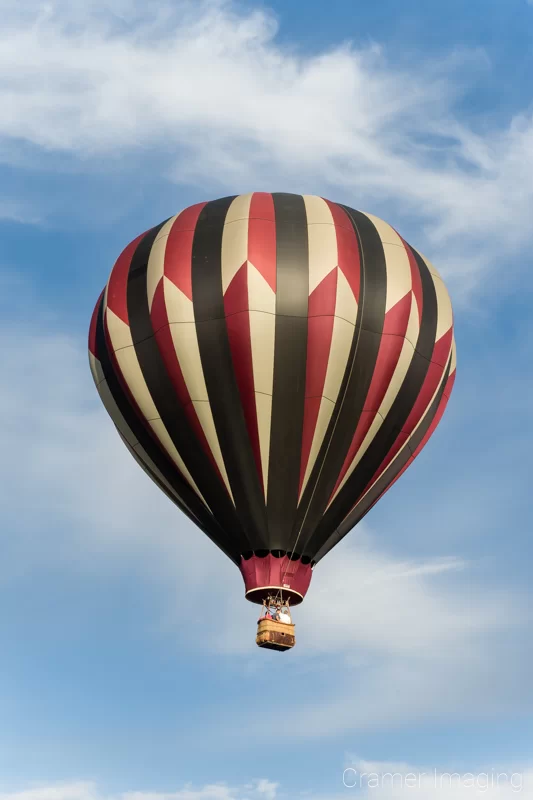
217,364
185,498
163,394
355,384
397,415
290,354
366,504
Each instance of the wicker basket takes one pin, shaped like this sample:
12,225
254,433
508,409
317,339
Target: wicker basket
274,635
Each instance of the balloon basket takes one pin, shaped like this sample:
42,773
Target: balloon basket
273,635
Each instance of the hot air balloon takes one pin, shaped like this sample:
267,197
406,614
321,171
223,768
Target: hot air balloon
274,362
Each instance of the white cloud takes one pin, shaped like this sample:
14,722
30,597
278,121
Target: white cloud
207,89
71,493
361,779
406,639
259,790
398,652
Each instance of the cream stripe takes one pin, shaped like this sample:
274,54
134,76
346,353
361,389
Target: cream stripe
235,239
399,279
178,306
205,415
453,365
386,232
345,302
424,415
398,376
341,342
112,409
119,331
260,294
317,210
397,379
185,341
434,271
156,260
129,438
322,238
445,313
128,363
239,208
413,326
406,356
262,334
263,405
324,415
262,340
162,434
96,369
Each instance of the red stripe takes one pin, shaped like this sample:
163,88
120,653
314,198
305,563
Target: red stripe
347,248
236,305
394,329
440,356
321,311
450,384
271,571
178,252
323,298
166,347
438,416
431,430
429,388
117,291
393,337
93,325
122,381
177,268
236,295
262,237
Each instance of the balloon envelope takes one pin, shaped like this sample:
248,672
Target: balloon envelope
274,362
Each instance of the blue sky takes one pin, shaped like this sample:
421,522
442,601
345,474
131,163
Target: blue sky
124,675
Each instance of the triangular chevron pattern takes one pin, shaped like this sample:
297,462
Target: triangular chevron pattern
274,362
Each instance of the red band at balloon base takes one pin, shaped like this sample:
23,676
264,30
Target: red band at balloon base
269,574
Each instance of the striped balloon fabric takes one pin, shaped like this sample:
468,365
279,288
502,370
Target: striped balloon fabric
274,362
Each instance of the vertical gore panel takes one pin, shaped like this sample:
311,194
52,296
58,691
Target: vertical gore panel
389,476
292,295
221,383
167,468
164,394
355,385
391,430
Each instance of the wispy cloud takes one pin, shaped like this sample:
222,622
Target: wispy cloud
259,790
362,779
407,638
205,94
